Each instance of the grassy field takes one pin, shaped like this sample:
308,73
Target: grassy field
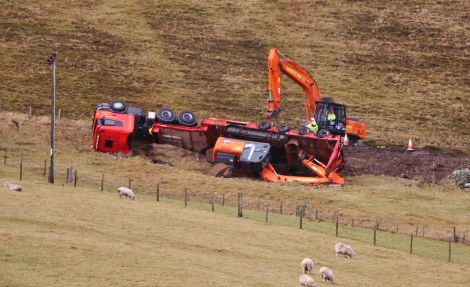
61,236
394,202
383,59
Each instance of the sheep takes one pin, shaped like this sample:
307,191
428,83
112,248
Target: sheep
306,265
126,192
12,186
307,281
326,274
344,249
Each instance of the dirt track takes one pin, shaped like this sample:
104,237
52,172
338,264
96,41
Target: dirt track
421,165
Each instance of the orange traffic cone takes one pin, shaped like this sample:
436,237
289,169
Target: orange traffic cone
410,146
346,140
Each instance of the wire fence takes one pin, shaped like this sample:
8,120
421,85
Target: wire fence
420,239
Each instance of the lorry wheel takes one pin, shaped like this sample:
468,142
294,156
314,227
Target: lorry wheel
220,170
187,119
264,125
284,128
118,106
323,133
166,116
303,130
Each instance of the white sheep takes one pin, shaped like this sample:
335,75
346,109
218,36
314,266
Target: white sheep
306,265
12,186
307,281
126,192
344,249
326,274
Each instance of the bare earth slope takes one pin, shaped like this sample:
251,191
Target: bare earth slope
401,66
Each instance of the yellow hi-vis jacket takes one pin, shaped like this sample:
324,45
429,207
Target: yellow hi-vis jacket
331,117
313,128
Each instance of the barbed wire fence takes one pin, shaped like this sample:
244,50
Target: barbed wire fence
284,212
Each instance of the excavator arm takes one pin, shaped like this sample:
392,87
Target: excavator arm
279,63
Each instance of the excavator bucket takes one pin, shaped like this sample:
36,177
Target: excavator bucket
269,174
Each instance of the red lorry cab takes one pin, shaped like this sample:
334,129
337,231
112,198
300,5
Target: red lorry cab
112,131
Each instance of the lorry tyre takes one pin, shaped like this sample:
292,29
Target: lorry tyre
264,125
118,106
284,128
323,133
187,119
166,116
303,130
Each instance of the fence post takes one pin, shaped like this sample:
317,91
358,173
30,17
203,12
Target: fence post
267,211
337,225
411,244
463,238
102,182
397,229
130,183
449,251
375,234
67,177
223,199
30,111
45,164
280,209
423,231
158,192
352,222
316,214
240,204
75,179
417,230
455,236
301,215
21,168
212,202
185,197
5,158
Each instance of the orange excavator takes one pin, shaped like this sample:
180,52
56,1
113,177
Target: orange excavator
315,107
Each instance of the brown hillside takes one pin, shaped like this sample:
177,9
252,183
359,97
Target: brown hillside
401,66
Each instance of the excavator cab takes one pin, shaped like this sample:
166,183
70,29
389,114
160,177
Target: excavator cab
327,123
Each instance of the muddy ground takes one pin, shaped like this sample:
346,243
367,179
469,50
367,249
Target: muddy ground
424,166
421,165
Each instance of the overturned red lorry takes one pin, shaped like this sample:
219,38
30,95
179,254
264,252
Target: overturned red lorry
276,154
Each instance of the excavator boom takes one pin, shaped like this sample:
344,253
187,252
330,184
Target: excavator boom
279,63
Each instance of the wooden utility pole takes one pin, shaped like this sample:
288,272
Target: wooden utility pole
51,62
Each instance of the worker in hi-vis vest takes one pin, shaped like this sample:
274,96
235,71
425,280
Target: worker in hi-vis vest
312,126
331,117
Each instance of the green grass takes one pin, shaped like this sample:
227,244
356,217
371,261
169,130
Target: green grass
382,59
365,199
53,235
422,247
